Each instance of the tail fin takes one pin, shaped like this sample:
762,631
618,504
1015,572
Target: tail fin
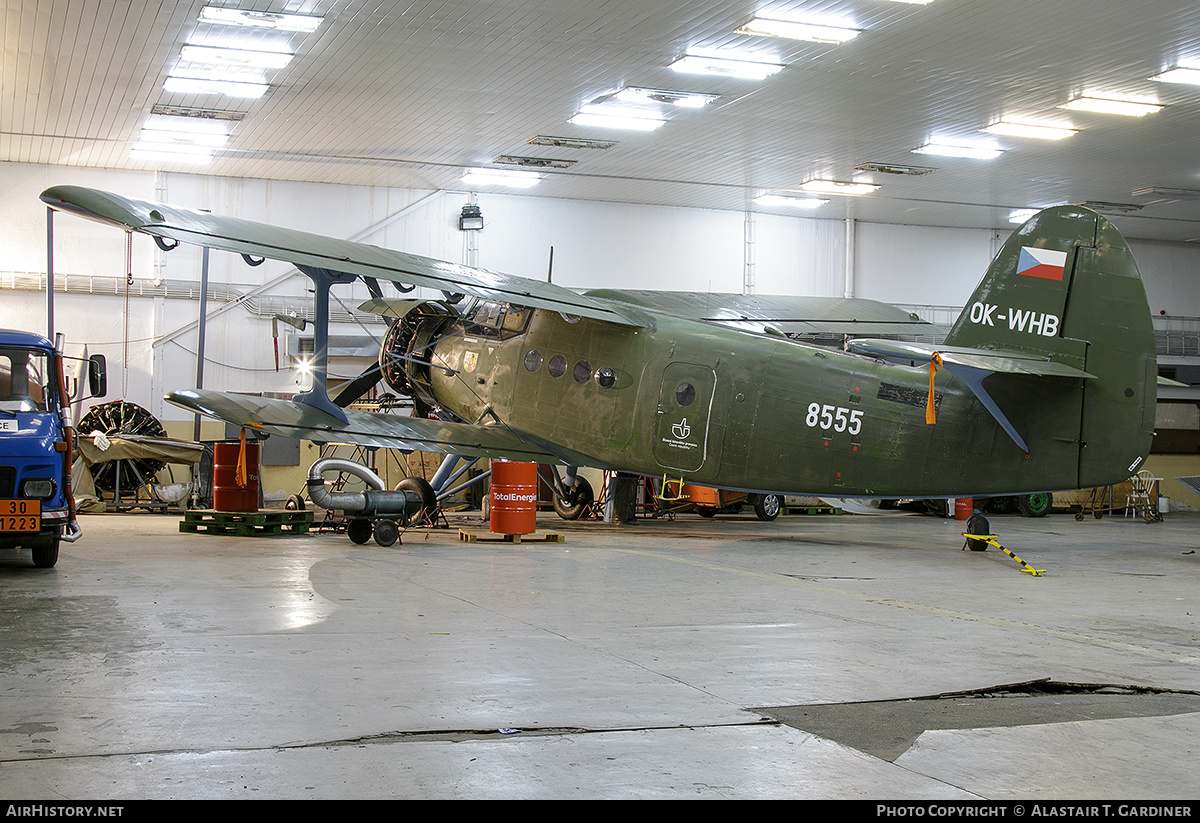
1065,287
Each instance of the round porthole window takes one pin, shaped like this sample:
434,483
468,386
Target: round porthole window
685,395
557,366
583,371
606,377
533,360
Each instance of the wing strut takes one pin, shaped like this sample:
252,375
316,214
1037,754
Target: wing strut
318,395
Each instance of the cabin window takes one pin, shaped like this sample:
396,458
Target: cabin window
557,366
685,395
533,360
583,371
606,377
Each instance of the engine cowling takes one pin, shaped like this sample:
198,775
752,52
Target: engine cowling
404,357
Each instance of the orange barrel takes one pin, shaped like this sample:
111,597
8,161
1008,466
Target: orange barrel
228,495
963,508
514,497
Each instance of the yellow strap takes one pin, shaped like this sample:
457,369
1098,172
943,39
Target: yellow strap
935,363
242,474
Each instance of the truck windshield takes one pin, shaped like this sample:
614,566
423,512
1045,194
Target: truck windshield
24,380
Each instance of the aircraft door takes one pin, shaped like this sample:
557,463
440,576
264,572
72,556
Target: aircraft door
684,408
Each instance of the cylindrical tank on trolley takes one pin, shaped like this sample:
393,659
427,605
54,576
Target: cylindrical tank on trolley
514,497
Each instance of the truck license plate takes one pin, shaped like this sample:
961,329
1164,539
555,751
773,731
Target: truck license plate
20,515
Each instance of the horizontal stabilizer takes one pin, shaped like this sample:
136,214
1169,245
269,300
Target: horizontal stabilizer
996,361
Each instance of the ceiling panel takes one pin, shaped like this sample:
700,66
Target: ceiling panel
412,93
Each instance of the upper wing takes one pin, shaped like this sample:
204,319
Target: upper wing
791,315
315,251
305,422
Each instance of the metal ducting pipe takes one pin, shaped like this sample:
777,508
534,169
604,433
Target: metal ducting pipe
374,501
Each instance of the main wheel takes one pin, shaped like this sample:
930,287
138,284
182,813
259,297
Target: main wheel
767,506
577,501
1035,505
45,555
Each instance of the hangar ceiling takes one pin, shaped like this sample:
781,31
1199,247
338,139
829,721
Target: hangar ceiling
412,93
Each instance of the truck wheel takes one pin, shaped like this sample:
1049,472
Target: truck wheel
767,506
45,555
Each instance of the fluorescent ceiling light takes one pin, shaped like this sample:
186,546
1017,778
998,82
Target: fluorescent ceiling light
838,187
180,138
664,97
1021,215
501,177
914,2
726,66
1167,191
976,152
187,125
1011,128
171,154
1106,105
792,202
1179,75
195,85
616,121
260,19
813,32
236,57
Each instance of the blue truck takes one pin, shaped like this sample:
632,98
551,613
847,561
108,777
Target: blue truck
37,508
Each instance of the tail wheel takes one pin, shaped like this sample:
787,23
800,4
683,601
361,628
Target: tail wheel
576,502
977,524
1035,505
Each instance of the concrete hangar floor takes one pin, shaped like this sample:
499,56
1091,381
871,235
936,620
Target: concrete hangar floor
722,658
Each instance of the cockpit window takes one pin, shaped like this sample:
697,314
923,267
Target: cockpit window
497,320
24,380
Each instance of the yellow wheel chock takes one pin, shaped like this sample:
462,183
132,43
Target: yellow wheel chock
993,540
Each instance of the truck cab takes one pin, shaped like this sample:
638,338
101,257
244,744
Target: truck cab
37,509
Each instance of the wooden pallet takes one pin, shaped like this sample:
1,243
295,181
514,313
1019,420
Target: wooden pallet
491,537
246,524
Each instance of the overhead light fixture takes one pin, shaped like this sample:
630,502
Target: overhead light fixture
260,19
471,218
914,2
186,125
974,152
1021,215
1180,74
1166,191
634,95
1037,131
790,202
1109,105
1108,207
739,67
793,30
570,142
501,177
193,114
894,168
170,153
588,116
230,88
176,137
533,162
838,187
236,57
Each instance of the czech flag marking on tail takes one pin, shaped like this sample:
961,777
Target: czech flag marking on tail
1047,264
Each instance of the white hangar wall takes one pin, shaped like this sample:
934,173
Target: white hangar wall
596,245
